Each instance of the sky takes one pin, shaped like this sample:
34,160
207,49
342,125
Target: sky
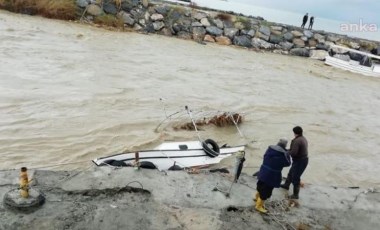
341,10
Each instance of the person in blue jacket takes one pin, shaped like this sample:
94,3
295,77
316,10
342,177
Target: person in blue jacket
275,159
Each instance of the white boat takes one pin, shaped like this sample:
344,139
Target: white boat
369,64
181,154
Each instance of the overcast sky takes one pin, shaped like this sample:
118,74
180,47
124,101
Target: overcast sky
341,10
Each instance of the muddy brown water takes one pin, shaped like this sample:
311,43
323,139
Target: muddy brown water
71,93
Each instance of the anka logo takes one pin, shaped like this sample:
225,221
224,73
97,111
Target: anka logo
359,27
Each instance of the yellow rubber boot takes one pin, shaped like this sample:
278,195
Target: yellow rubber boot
260,206
257,195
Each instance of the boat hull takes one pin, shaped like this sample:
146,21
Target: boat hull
353,67
163,159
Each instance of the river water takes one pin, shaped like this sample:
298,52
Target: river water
71,92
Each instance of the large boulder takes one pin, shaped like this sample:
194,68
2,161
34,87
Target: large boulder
297,33
320,38
243,40
338,50
275,39
162,9
222,40
184,35
166,31
158,25
276,28
354,45
276,32
230,32
209,38
228,24
312,43
127,18
263,36
286,45
199,15
288,36
319,54
304,38
219,23
94,10
183,24
199,33
128,5
157,17
110,7
205,22
259,43
239,25
298,43
196,24
308,33
82,3
250,32
332,38
303,52
264,30
322,46
213,30
145,3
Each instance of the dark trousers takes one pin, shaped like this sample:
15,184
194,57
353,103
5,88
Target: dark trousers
295,172
264,190
310,26
303,24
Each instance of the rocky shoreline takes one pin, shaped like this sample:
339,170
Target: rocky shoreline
205,25
124,198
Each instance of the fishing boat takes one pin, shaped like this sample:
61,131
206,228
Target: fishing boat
177,155
355,61
173,155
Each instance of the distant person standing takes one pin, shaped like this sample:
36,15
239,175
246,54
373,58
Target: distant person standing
311,23
304,21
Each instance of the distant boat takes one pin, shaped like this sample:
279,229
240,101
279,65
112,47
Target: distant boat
364,63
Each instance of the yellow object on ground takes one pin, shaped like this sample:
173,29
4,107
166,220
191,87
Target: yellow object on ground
257,195
260,206
24,183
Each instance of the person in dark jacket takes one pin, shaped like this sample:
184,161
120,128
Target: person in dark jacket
275,159
311,23
304,21
299,153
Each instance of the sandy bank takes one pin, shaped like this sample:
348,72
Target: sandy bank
107,198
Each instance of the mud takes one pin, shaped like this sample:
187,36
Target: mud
111,198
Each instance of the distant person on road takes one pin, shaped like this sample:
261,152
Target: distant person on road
311,23
304,21
275,159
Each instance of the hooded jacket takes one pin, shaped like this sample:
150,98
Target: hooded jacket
275,159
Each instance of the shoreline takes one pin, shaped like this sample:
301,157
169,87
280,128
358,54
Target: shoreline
115,198
205,25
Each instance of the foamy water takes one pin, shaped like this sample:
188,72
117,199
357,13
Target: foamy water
71,93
